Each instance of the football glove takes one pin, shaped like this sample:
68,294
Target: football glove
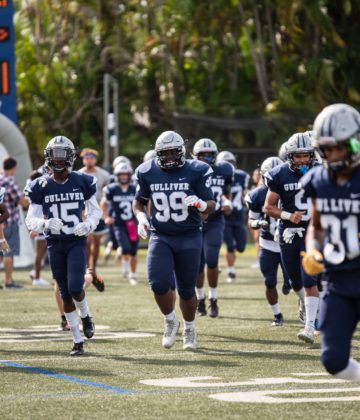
82,229
195,201
4,246
289,234
257,224
312,262
53,224
143,225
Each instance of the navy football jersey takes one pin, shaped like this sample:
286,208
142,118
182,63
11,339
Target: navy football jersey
167,191
64,201
221,181
339,208
283,181
120,202
240,184
255,200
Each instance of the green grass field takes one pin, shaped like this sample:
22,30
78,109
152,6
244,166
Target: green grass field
245,368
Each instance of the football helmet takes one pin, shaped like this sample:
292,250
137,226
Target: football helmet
123,169
338,124
120,159
205,150
170,150
270,163
150,154
282,152
227,156
300,143
60,154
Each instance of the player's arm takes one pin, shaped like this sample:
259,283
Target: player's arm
4,214
105,209
271,209
139,209
36,222
93,212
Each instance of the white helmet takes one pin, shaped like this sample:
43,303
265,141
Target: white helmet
170,140
338,124
207,146
120,159
227,156
150,154
269,163
123,169
282,152
60,154
300,143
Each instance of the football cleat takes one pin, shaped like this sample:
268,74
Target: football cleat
286,289
278,321
201,308
171,329
307,335
213,308
40,282
189,339
302,312
231,277
78,349
88,326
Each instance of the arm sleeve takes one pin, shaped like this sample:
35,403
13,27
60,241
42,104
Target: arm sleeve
203,186
142,189
93,212
35,218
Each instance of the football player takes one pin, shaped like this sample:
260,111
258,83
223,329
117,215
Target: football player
180,192
150,154
118,196
57,203
269,255
222,177
332,241
235,230
294,215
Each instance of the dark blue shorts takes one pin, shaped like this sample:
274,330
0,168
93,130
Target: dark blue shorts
235,236
173,254
269,263
339,316
213,233
122,238
68,264
291,259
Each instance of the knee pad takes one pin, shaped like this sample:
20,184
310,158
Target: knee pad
186,294
159,289
334,362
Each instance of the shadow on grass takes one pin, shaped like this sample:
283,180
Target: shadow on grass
276,355
268,320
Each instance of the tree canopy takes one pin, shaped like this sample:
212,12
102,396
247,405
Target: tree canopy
281,60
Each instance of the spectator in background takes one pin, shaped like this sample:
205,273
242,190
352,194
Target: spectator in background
13,197
89,158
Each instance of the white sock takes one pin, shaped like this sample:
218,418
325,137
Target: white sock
82,307
170,316
73,321
212,292
132,275
189,325
200,292
351,372
125,266
231,270
301,294
275,309
311,307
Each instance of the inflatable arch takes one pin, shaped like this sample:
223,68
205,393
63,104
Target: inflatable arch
13,143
